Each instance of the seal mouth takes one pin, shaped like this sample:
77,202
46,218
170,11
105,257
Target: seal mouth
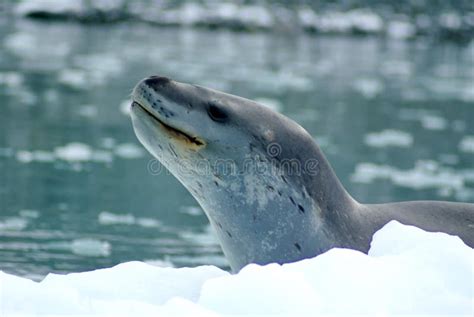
174,132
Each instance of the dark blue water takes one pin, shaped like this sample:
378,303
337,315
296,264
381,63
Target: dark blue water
394,117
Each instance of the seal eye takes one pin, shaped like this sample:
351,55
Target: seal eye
217,114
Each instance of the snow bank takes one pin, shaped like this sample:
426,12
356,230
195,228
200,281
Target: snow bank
407,271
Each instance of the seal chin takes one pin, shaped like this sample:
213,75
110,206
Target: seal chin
181,137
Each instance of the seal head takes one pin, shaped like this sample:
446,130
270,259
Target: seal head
252,170
264,184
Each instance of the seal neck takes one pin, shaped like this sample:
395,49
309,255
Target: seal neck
327,190
277,216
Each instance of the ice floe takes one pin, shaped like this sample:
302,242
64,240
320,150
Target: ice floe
407,271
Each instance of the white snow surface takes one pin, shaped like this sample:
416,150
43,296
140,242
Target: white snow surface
407,271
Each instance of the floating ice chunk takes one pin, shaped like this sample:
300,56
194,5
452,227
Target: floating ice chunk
24,156
52,6
467,94
401,29
366,21
425,174
308,18
74,152
368,87
255,15
90,247
159,263
216,260
21,43
36,48
100,64
148,222
13,224
29,213
467,144
128,151
389,138
368,172
431,122
206,237
108,143
108,218
450,20
11,79
359,20
75,78
334,22
191,210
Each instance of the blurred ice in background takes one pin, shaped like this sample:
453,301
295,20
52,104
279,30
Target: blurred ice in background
385,87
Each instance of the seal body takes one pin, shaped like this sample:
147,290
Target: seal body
263,182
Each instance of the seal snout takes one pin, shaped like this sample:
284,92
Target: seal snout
157,82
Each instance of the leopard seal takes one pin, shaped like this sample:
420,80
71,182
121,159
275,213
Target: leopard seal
266,187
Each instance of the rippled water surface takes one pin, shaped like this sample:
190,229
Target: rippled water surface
395,119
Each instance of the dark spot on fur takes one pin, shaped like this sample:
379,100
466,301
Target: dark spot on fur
301,208
270,188
284,179
292,200
219,224
297,245
217,184
172,150
228,233
279,193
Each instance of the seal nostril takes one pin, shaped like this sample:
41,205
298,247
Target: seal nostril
157,82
